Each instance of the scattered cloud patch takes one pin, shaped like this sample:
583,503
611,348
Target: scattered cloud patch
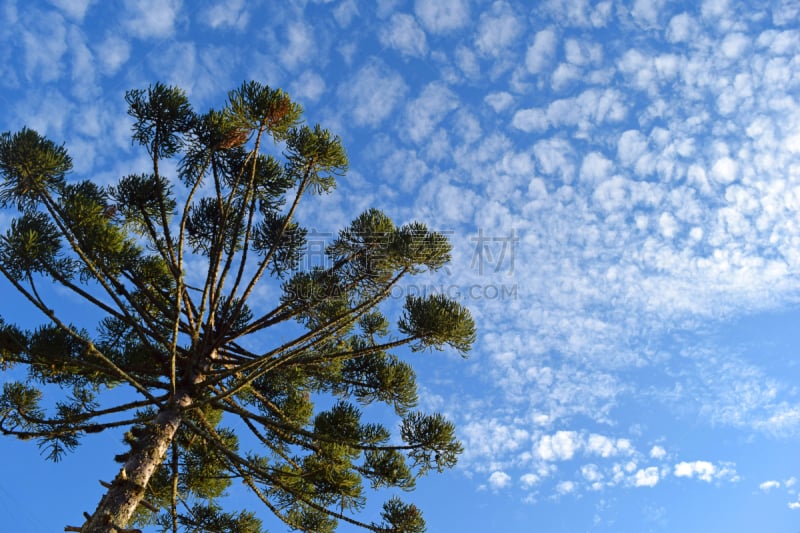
681,28
586,112
595,168
498,29
581,13
75,9
499,101
229,14
657,452
606,447
561,446
725,170
529,480
300,45
493,437
499,480
403,34
425,112
345,12
769,485
647,12
647,477
530,120
705,471
565,487
44,40
541,51
308,87
373,93
443,16
112,53
151,18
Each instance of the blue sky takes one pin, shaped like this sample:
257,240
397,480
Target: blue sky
621,184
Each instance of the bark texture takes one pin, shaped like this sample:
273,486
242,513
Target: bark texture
128,489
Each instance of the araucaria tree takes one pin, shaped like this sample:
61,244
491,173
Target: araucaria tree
240,362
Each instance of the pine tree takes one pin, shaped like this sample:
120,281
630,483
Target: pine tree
171,266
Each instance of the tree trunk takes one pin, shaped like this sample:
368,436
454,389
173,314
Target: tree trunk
127,490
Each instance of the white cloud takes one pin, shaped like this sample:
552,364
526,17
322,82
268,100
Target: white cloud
595,168
75,9
734,45
529,480
631,146
83,66
564,75
650,73
681,28
468,127
498,29
714,9
582,53
581,13
725,170
468,62
611,195
646,12
561,446
499,480
185,67
385,8
565,487
44,38
591,473
587,112
345,12
112,53
309,86
300,46
228,14
373,93
657,452
492,437
779,42
48,113
442,16
769,485
151,18
647,477
541,52
529,120
425,112
667,225
792,143
500,101
600,445
606,447
601,14
703,470
556,156
403,34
